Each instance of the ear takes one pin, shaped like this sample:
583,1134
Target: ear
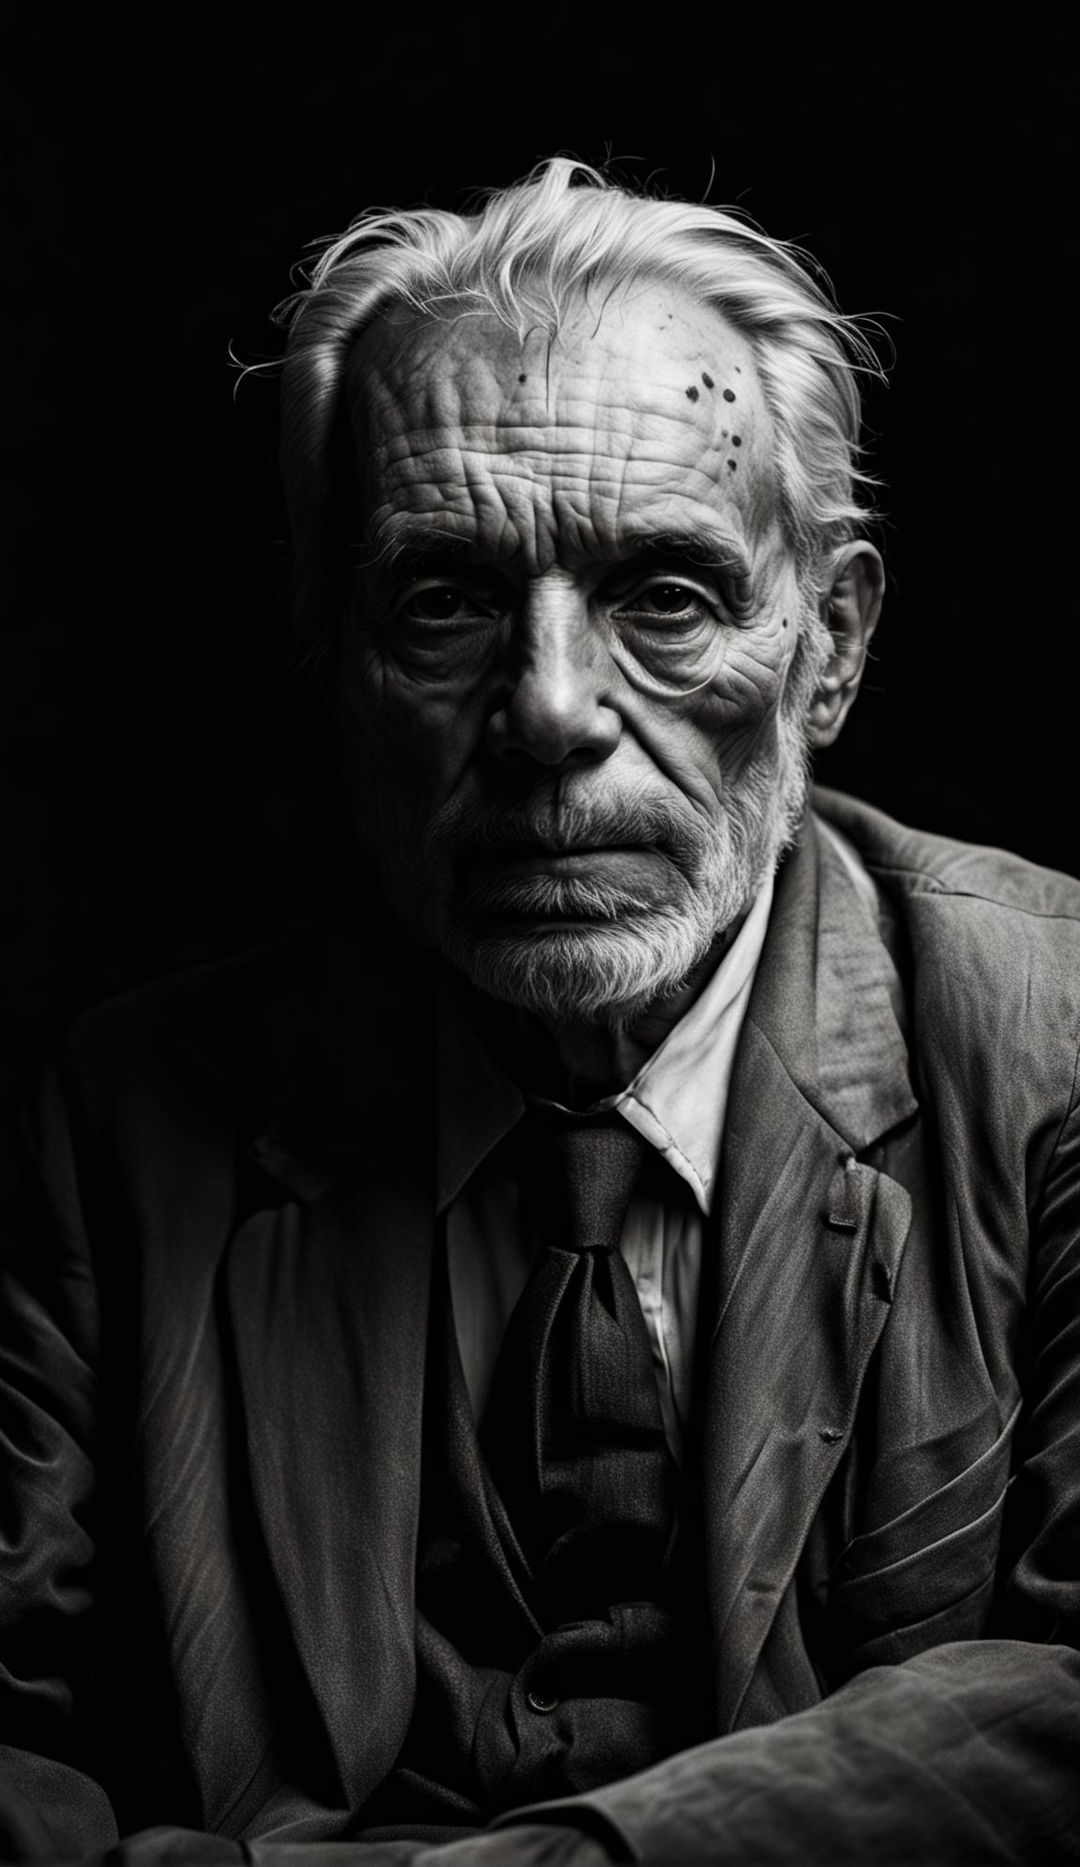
851,610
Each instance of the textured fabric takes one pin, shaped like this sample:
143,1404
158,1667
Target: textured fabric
677,1102
510,1706
573,1431
213,1329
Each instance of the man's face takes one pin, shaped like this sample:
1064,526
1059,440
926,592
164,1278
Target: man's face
568,735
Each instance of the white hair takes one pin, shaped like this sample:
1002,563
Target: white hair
524,255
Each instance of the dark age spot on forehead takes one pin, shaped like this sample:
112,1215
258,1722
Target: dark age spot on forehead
707,379
729,395
692,393
442,434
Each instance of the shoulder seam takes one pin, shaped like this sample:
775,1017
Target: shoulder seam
934,885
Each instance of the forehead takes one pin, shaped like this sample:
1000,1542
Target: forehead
644,413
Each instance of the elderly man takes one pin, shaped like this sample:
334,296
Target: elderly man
592,1375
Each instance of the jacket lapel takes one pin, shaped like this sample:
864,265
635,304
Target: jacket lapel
327,1295
809,1240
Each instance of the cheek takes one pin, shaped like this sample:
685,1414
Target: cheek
404,746
744,698
705,738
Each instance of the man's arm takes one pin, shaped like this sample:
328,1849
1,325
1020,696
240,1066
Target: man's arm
970,1752
48,1359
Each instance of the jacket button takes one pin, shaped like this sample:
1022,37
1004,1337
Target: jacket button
539,1701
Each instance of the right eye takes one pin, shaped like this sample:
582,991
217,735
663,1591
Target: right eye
436,602
439,632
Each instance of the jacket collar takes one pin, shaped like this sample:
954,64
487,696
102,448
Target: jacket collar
809,1240
827,996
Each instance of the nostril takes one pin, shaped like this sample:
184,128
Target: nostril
554,724
556,747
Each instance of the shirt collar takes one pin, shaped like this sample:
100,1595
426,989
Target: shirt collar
677,1101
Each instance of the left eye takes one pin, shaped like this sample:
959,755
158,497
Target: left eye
668,599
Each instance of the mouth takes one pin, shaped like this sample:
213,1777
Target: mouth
534,883
566,859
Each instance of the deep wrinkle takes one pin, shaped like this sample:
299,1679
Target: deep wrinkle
491,663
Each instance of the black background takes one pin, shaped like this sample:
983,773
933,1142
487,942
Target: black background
165,793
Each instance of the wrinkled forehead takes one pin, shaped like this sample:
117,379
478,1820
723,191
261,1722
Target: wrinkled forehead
644,409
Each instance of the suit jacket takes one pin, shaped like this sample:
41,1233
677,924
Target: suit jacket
212,1374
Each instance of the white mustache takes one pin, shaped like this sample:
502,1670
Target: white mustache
559,826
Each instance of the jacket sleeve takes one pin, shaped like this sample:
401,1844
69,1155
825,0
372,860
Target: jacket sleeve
48,1355
969,1751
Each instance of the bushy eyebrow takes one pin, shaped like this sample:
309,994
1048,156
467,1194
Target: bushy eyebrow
705,550
406,551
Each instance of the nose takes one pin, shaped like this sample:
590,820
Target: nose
556,707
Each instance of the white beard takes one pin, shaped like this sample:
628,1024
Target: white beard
630,947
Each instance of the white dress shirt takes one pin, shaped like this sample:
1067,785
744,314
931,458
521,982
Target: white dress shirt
677,1102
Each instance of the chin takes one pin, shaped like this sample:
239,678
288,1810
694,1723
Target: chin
587,974
586,953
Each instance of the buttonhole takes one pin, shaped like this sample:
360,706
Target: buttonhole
841,1221
843,1213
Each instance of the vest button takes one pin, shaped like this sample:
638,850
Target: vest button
539,1701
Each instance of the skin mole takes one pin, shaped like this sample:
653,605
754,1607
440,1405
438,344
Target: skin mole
736,440
729,395
707,379
523,377
731,464
692,393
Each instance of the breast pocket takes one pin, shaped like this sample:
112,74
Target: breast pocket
933,1564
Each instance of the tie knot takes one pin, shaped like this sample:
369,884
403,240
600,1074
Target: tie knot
595,1162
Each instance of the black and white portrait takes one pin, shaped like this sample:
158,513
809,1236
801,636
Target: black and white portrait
540,1271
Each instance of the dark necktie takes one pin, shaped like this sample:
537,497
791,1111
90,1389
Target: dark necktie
573,1432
